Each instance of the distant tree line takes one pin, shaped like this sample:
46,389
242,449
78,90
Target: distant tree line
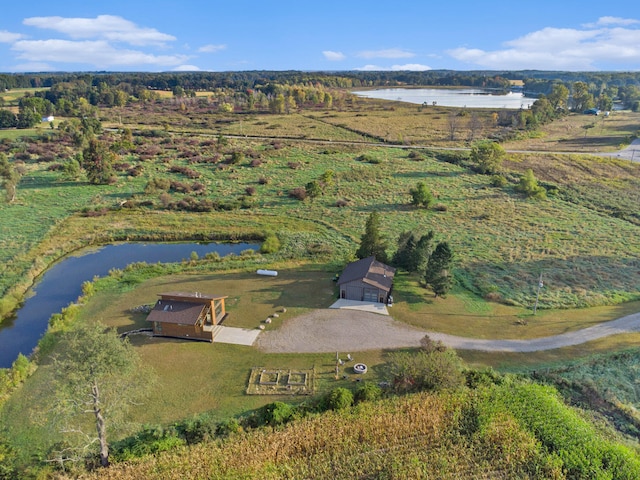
536,82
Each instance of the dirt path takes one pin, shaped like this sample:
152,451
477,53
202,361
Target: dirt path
348,330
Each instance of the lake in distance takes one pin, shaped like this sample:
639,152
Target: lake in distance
451,97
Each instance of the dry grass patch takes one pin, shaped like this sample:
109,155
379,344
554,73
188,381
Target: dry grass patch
568,134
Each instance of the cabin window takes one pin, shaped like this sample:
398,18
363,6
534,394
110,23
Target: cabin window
158,327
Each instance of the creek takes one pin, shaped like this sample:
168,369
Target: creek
61,285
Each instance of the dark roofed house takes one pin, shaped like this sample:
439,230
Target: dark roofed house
366,280
187,315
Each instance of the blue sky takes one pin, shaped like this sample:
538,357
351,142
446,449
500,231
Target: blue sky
118,35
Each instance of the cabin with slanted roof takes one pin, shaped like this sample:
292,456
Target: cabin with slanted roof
366,280
187,315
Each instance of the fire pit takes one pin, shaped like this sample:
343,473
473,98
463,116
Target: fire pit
360,368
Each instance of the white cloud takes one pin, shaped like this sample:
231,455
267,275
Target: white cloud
370,68
211,48
9,37
186,68
333,56
33,67
414,67
605,21
108,27
386,53
562,48
98,53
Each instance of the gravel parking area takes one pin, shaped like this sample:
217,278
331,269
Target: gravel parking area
328,330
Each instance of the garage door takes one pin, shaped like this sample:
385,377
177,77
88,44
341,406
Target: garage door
370,295
354,293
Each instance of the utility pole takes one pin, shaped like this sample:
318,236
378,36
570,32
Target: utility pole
540,285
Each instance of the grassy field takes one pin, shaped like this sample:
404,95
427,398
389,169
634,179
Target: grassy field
583,133
502,241
582,239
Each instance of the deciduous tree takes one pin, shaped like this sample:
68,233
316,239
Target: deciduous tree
98,374
10,177
487,156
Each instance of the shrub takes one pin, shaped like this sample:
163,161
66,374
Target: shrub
236,157
214,256
196,430
421,196
416,156
228,427
271,244
498,181
184,171
529,186
422,370
339,399
256,162
342,203
440,207
368,392
157,185
263,180
250,191
294,165
149,441
276,413
299,193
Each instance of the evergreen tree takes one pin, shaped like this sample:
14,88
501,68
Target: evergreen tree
438,275
421,195
372,242
98,162
420,257
529,186
405,252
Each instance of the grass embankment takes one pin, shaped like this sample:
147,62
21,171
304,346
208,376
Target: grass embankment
512,430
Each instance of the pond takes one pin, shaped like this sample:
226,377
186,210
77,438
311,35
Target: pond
62,284
452,97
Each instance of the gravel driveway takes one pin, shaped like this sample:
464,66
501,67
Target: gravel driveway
349,330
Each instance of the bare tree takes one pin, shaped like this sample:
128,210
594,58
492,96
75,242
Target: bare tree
474,125
454,122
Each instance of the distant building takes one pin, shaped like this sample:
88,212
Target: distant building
187,315
50,118
366,280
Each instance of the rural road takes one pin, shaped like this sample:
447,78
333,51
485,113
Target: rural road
632,152
329,330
